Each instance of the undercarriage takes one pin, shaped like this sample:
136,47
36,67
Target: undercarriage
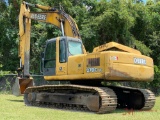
88,98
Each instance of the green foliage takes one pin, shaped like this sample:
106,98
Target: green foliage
142,47
154,40
2,73
156,82
8,39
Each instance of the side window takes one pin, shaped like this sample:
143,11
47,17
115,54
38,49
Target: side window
62,51
50,55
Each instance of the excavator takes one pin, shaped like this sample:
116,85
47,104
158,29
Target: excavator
65,59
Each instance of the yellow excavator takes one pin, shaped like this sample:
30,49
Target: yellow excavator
65,59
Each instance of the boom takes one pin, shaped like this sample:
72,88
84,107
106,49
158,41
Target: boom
51,15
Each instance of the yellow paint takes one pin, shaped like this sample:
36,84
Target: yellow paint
76,64
75,77
110,45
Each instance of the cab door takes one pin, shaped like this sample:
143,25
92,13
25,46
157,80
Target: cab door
62,56
50,58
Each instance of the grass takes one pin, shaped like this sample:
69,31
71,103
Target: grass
13,108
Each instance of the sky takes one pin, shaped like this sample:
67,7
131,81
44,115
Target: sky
6,1
144,1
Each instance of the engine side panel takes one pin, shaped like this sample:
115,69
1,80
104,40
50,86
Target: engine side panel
128,66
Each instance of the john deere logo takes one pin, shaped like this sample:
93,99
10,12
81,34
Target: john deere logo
140,61
38,16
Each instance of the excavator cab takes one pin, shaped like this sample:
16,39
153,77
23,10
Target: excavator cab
56,54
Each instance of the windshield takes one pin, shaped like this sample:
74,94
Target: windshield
75,47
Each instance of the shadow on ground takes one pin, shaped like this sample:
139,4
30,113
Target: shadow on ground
15,100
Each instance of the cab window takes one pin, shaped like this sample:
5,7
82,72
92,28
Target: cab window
75,48
50,55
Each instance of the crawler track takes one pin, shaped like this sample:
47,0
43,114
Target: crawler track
96,99
149,99
85,98
139,99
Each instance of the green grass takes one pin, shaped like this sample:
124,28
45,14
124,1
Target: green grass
13,108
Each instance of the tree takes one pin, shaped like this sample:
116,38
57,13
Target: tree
8,39
110,21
